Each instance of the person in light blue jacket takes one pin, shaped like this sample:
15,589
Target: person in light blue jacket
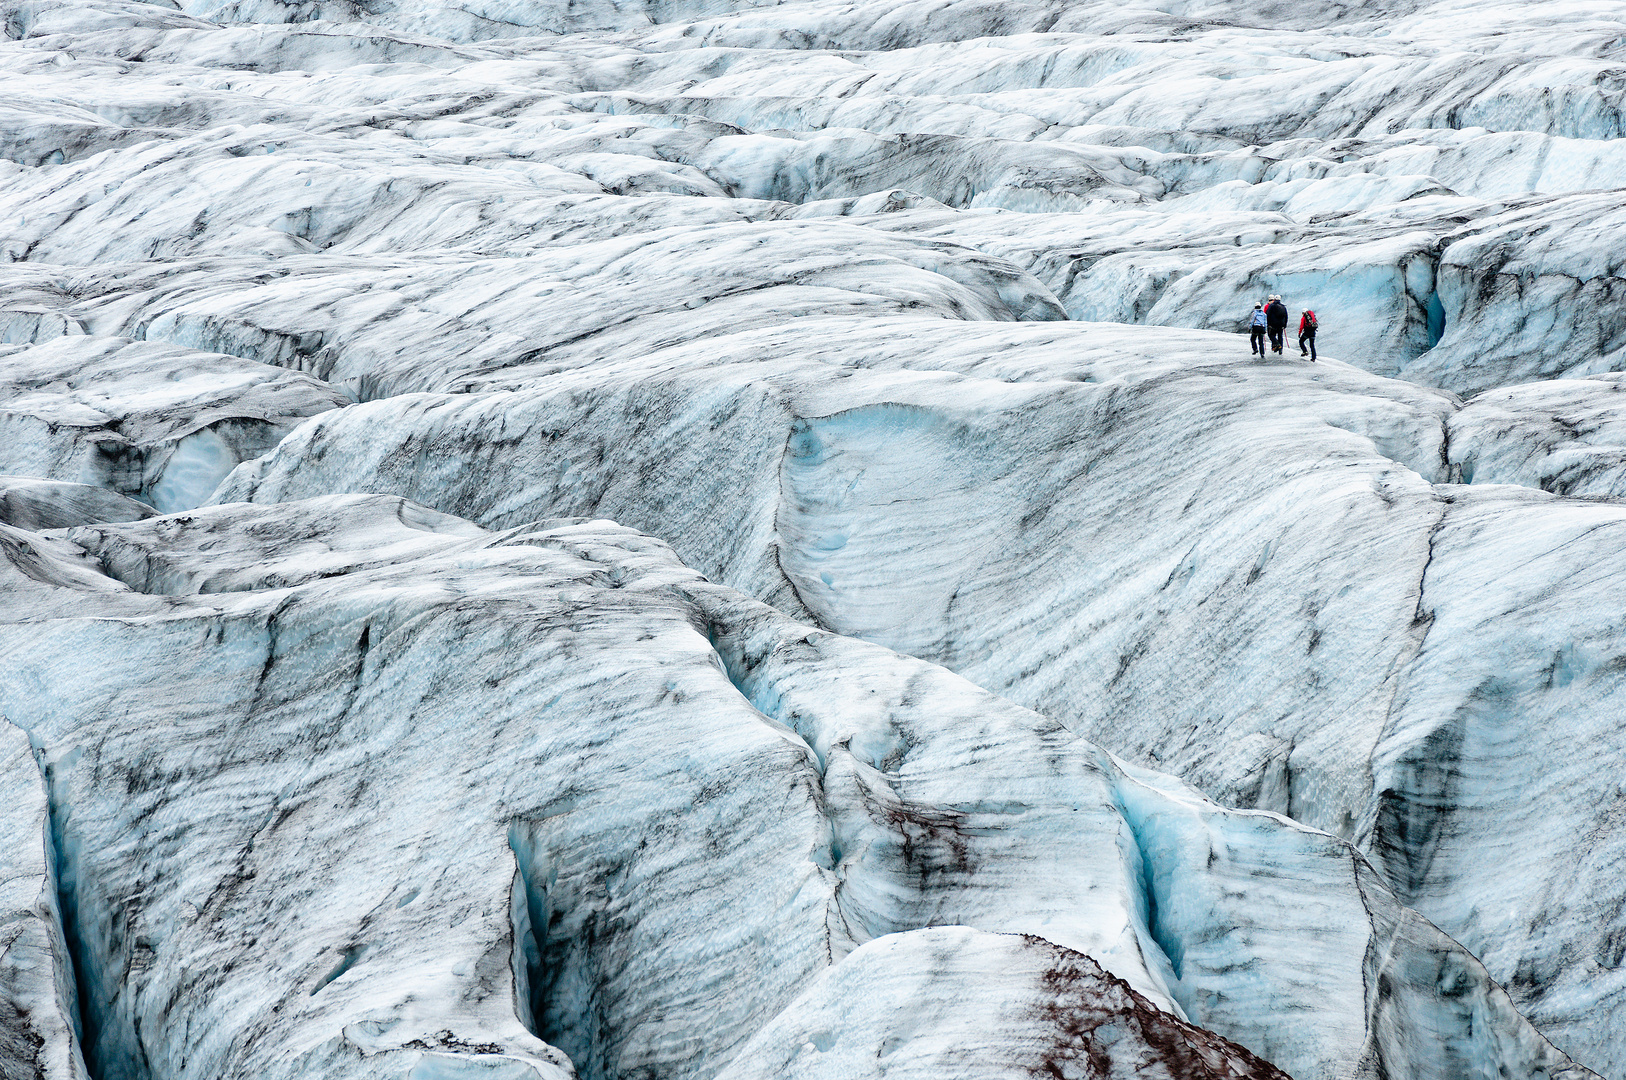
1256,330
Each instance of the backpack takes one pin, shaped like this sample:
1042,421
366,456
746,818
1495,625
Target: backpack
1309,319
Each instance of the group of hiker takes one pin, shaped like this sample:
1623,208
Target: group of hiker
1270,317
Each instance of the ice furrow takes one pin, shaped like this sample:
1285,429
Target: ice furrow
42,1028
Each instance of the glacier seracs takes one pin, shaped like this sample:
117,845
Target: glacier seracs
915,321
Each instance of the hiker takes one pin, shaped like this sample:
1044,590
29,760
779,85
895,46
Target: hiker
1307,334
1256,331
1276,322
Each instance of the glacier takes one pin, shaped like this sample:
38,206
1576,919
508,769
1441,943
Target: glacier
710,538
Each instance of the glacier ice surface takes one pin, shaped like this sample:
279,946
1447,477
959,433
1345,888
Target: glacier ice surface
915,321
680,808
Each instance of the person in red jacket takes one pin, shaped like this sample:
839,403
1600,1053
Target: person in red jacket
1307,334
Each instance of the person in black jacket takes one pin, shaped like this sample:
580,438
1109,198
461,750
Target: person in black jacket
1276,321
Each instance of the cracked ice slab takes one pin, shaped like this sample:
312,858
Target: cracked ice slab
1566,436
1520,664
